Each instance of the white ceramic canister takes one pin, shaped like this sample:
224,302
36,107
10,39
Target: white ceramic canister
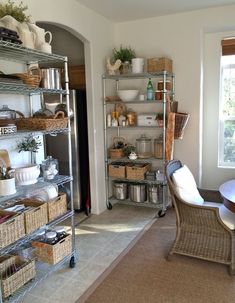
7,187
137,65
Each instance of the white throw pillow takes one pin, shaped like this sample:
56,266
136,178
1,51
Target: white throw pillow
186,186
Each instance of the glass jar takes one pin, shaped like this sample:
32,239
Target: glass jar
50,168
51,237
60,232
158,148
40,235
144,147
126,67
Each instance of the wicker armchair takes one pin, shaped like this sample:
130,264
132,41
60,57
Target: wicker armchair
200,231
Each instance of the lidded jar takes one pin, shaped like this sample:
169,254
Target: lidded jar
60,231
158,148
50,168
51,237
144,147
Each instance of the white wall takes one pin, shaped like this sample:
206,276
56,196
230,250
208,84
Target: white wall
97,34
180,37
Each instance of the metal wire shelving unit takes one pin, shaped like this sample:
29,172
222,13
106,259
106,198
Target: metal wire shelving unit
17,53
120,130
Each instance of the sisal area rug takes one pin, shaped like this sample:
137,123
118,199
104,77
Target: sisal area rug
143,275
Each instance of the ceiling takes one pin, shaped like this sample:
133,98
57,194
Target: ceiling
125,10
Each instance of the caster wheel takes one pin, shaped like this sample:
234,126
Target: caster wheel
72,262
161,213
109,206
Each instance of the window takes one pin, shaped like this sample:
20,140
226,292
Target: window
227,109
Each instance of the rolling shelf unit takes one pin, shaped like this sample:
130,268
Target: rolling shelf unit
14,52
164,76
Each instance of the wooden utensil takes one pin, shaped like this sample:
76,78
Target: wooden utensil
4,158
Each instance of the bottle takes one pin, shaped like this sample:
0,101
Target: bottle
150,90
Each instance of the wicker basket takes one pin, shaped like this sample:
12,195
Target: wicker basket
137,171
159,64
11,230
35,216
117,153
57,207
58,121
52,254
117,170
181,120
12,282
32,78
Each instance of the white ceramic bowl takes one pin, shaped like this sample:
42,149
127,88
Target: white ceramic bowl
27,175
127,94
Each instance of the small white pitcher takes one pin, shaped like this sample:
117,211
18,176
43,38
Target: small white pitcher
40,34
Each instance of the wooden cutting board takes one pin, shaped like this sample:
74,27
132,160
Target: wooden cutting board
4,158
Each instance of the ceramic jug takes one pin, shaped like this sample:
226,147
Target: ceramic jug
9,22
40,35
27,37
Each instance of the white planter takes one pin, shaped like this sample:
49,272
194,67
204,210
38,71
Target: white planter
27,175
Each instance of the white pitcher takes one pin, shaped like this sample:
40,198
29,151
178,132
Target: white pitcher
40,35
27,37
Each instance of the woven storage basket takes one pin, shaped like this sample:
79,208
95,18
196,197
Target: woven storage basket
117,153
35,216
57,121
181,120
137,171
12,282
11,230
117,170
32,78
159,65
57,207
52,254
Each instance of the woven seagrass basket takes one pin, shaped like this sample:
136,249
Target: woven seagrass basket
181,120
32,78
57,121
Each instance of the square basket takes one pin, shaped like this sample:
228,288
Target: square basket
52,254
11,280
159,65
12,229
117,170
35,214
137,171
57,207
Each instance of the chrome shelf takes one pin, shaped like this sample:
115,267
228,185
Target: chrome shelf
136,102
129,202
21,133
151,182
137,76
125,159
133,127
23,191
16,52
42,272
24,240
22,89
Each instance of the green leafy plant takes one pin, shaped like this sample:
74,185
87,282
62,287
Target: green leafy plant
124,54
14,10
118,144
30,143
128,149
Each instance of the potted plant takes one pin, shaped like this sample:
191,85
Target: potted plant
128,149
31,144
15,11
125,54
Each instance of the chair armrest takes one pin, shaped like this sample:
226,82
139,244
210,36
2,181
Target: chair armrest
210,195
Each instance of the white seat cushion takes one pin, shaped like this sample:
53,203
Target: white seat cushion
186,186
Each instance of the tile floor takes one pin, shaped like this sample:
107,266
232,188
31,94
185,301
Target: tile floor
100,239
